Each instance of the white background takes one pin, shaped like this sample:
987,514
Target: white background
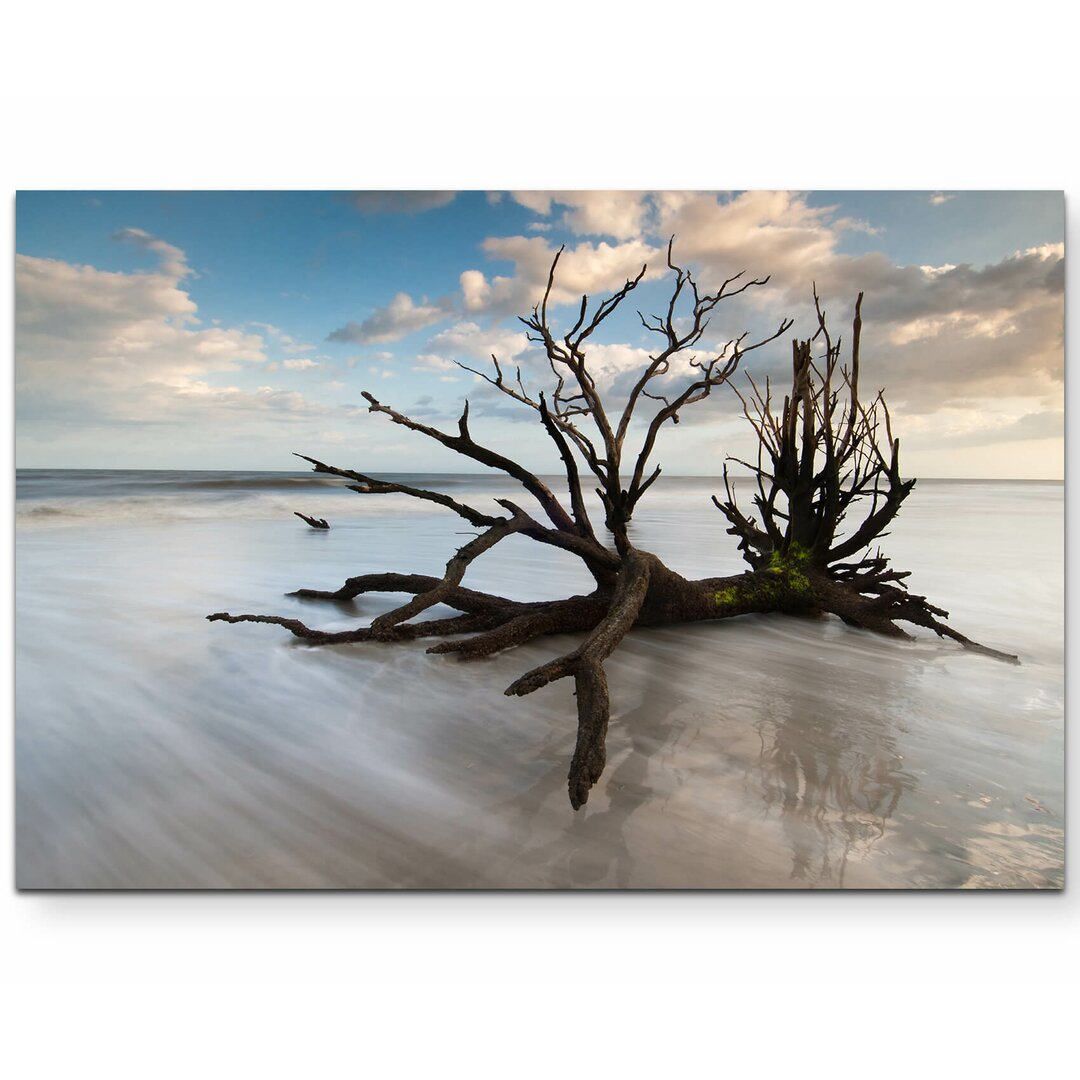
241,95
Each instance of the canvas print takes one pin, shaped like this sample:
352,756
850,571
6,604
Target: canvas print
539,540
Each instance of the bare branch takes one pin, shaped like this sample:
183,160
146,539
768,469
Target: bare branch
368,485
464,444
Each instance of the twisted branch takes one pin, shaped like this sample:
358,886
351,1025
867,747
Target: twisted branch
586,664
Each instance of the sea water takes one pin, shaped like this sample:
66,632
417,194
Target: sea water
157,750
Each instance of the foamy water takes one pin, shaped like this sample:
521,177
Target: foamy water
154,749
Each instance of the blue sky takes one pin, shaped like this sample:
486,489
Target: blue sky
226,329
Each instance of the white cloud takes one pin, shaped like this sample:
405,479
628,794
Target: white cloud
611,360
619,214
80,325
537,201
433,362
936,271
587,268
945,337
931,334
305,364
475,290
470,344
763,233
97,348
284,404
939,198
288,344
1045,252
472,341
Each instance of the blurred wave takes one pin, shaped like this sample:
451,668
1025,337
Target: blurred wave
156,750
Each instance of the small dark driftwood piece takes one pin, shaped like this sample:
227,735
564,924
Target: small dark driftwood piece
315,523
823,456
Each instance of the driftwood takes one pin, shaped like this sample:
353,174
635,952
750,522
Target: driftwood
315,523
822,456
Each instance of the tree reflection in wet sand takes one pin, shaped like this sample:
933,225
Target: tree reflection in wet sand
835,779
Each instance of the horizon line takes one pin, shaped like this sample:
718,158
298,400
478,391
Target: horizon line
492,472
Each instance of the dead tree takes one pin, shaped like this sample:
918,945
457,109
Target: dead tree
824,458
797,564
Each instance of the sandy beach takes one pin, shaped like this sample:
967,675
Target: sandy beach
156,750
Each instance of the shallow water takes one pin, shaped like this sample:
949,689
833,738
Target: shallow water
154,749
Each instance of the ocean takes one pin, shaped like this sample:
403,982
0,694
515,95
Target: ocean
156,750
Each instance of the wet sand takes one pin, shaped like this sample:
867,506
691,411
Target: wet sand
155,750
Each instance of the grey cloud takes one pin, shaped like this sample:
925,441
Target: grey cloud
173,261
904,293
399,318
934,337
398,202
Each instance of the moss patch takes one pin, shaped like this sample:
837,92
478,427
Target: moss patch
791,565
726,597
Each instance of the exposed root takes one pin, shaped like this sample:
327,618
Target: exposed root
585,663
456,624
315,523
494,624
973,646
554,617
516,631
594,710
463,599
383,626
890,604
918,611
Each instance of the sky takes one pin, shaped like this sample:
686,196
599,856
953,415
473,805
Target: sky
225,330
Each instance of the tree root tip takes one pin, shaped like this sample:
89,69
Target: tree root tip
985,650
527,684
584,775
